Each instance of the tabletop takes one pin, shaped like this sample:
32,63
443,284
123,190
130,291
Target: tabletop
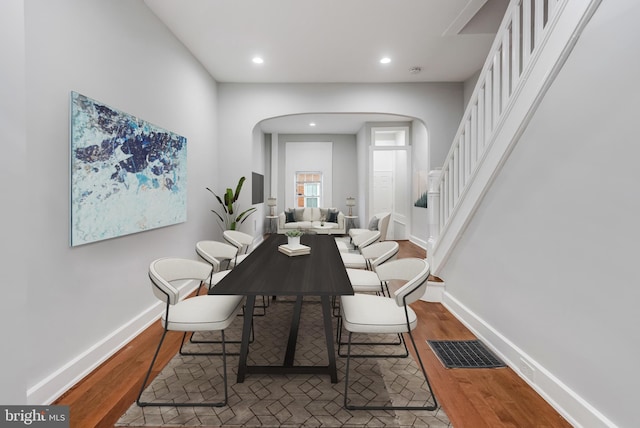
267,271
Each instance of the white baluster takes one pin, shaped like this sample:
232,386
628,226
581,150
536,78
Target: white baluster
538,22
516,39
505,72
527,29
473,136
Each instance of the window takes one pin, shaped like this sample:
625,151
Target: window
308,189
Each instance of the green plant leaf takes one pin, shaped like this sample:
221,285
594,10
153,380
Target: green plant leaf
238,188
245,214
219,200
228,200
226,217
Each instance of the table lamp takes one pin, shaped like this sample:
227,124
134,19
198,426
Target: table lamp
351,202
271,202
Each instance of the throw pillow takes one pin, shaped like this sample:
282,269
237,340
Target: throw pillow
333,216
299,212
289,216
373,224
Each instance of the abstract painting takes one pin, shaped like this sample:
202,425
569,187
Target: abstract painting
127,175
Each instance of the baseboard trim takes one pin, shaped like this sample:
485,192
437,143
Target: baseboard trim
434,292
419,242
577,411
53,386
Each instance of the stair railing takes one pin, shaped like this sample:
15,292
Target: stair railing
519,40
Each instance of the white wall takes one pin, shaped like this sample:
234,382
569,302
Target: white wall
469,85
548,266
242,106
14,185
308,156
421,162
343,161
84,301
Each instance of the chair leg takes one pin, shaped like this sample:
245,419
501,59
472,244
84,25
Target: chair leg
192,340
346,384
340,343
173,404
264,306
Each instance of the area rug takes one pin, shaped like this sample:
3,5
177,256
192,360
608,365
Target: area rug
286,400
464,354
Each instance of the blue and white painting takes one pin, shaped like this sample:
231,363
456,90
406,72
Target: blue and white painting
127,175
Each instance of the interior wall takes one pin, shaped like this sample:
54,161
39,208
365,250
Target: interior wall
549,260
421,165
14,186
469,85
343,161
85,300
242,106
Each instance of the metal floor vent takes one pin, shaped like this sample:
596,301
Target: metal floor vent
464,354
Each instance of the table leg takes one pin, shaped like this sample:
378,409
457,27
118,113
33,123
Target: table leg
328,332
246,334
293,333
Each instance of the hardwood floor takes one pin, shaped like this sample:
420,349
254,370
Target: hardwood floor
474,398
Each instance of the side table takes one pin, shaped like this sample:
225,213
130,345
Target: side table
272,224
351,221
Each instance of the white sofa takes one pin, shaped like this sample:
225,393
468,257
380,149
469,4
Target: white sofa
310,219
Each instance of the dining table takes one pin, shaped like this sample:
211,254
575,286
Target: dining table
266,271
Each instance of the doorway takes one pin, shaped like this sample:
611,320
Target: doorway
390,188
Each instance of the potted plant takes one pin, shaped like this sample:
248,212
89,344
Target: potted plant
293,237
228,217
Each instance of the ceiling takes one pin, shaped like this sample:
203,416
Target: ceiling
320,41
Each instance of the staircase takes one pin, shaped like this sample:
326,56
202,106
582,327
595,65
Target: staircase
533,42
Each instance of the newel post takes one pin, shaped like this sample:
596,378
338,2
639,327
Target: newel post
433,204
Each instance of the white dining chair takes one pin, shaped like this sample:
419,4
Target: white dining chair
371,255
361,268
219,255
371,314
244,243
379,222
360,241
198,313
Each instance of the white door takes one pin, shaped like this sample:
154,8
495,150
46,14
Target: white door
390,186
383,196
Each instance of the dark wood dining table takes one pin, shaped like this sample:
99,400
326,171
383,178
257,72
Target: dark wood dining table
268,272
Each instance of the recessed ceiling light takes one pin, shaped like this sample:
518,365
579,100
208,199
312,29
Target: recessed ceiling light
312,124
385,60
257,60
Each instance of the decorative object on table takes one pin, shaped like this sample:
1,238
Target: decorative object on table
351,202
294,250
229,218
127,175
293,237
271,203
322,220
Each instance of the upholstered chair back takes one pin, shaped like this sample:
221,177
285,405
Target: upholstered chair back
166,270
240,240
380,252
215,252
413,270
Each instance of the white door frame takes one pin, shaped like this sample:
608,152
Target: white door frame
405,219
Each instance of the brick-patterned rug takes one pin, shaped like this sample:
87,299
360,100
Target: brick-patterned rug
291,400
